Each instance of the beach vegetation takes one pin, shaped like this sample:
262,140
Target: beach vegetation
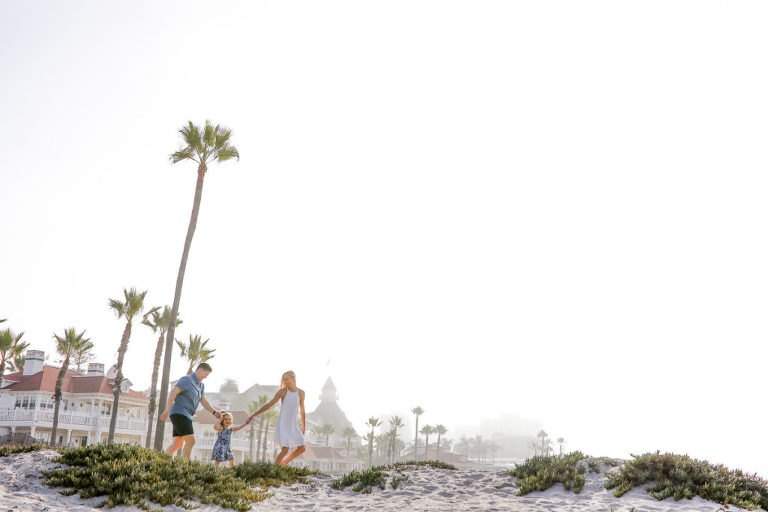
541,472
11,352
202,146
681,476
132,475
365,481
5,451
195,351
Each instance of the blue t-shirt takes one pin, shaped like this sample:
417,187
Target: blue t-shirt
188,399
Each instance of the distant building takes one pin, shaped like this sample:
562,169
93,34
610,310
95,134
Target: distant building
329,411
26,405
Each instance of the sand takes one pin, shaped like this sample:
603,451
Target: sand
433,490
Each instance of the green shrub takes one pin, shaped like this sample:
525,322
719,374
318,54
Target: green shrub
680,476
542,472
267,474
129,475
11,450
361,480
365,481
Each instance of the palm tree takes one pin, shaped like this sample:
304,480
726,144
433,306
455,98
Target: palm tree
476,446
441,430
373,423
230,386
426,430
464,447
270,417
158,322
395,423
195,352
561,441
252,408
69,346
418,411
492,447
133,305
544,442
349,433
211,144
11,352
326,429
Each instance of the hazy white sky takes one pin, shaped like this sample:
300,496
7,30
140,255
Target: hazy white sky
554,208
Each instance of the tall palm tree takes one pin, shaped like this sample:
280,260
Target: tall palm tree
211,144
395,423
270,417
561,441
441,431
69,346
373,423
493,447
544,442
158,322
349,433
195,352
132,306
418,411
11,352
426,430
252,408
230,386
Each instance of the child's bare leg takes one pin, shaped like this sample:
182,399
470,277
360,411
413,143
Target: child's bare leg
216,463
231,463
298,451
283,453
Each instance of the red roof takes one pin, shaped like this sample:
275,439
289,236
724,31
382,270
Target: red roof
73,383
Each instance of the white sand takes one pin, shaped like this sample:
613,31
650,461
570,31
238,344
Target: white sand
433,490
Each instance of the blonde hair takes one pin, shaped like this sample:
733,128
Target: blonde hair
225,414
283,383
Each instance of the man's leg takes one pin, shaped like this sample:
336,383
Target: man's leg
189,443
298,451
175,445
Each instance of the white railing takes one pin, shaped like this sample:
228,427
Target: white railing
72,420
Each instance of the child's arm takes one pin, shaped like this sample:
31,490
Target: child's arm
235,429
272,402
303,418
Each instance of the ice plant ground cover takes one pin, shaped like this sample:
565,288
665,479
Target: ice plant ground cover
364,481
130,475
10,450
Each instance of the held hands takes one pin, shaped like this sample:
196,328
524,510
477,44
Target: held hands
164,416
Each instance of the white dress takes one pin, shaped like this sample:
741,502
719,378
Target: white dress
287,431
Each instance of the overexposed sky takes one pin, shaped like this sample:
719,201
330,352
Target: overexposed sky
481,208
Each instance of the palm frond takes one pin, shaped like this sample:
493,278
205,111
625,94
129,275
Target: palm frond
226,153
183,154
118,306
209,134
190,134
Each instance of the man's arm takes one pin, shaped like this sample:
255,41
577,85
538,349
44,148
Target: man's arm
172,398
208,407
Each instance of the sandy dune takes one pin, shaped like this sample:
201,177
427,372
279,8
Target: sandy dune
433,490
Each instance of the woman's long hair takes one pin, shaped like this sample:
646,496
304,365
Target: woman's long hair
283,379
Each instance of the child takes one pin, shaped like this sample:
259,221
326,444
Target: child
287,434
222,449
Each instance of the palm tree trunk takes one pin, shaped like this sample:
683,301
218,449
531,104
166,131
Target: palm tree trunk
426,447
160,430
370,449
264,444
261,429
57,400
118,380
437,452
153,389
250,445
416,440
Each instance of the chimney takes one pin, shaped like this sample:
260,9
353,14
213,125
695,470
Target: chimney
95,370
33,362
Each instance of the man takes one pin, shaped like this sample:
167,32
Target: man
186,395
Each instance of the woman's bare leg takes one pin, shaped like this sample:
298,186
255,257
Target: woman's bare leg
283,452
298,451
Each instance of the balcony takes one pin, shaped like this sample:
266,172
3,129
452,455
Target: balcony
44,418
237,443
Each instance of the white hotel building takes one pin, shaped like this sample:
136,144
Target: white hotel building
26,405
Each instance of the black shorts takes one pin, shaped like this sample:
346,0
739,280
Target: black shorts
182,426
